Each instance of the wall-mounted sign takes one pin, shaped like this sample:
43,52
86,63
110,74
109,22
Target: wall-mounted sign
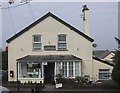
44,63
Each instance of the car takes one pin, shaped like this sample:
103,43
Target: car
4,90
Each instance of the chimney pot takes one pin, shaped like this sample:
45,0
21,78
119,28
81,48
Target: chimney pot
85,8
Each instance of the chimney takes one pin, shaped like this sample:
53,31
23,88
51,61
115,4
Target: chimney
85,11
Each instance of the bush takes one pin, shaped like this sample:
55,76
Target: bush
80,79
59,78
109,84
64,81
69,81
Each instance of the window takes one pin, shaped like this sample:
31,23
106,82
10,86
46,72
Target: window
58,68
30,70
62,45
68,69
37,42
62,37
103,74
77,69
64,68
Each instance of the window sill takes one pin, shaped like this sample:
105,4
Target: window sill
21,78
103,79
62,50
37,50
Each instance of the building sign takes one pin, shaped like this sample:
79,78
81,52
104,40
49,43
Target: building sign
50,48
44,63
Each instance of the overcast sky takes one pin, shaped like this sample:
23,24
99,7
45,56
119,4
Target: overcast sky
103,19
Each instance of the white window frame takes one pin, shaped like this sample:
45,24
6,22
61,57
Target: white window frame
79,68
104,71
20,75
66,72
62,42
39,42
67,76
71,68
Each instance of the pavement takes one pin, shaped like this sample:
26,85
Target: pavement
51,88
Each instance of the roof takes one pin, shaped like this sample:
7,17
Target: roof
44,17
98,53
106,53
102,53
48,58
105,62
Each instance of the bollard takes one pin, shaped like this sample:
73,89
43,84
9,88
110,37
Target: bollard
32,90
18,83
40,86
37,88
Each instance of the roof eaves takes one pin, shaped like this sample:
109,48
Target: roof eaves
41,19
72,28
105,62
28,27
49,57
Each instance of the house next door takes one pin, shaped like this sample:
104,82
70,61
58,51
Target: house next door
49,72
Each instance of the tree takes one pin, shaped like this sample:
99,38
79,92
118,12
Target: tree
5,59
116,69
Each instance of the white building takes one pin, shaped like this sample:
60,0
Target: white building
50,46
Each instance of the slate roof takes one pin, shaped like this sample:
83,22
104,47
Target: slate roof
56,58
101,53
105,62
47,58
106,53
98,53
44,17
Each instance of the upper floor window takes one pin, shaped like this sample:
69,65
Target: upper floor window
37,42
62,44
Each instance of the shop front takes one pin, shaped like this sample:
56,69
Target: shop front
36,68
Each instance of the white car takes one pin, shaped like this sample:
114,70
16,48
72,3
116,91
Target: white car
4,90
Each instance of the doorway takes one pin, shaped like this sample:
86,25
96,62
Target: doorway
49,72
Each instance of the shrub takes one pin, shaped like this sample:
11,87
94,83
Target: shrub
109,84
65,81
80,79
59,78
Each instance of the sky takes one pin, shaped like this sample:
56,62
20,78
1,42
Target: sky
119,23
103,18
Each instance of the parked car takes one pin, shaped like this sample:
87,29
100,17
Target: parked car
4,90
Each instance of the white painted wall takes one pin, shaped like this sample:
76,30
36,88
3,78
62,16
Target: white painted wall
49,30
99,65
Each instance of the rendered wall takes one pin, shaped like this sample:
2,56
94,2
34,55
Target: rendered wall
49,29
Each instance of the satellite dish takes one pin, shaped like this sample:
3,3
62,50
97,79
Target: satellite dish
94,45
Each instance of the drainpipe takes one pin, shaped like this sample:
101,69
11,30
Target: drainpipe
17,71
